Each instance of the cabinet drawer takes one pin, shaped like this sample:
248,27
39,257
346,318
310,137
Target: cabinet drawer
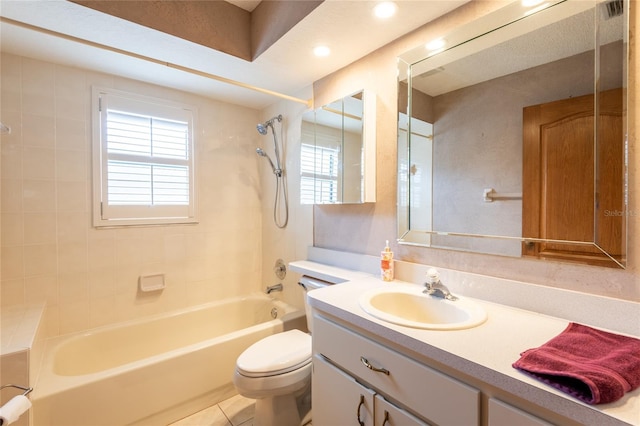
503,414
434,396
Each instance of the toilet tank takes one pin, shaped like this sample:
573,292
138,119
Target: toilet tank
308,284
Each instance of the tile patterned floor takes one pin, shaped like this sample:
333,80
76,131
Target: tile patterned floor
235,411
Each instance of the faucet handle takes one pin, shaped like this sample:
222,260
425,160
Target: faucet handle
433,276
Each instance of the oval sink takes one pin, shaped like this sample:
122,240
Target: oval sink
408,306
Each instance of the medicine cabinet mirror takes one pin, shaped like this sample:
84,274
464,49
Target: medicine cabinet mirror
498,148
337,152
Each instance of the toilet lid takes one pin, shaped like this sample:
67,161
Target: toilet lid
276,354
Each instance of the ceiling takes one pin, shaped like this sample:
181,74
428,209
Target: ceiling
63,32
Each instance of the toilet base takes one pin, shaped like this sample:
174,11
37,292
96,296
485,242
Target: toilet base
279,410
284,410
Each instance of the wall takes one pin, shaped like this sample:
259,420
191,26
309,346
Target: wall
363,228
88,276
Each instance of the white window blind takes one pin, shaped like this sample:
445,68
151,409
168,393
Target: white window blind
319,174
144,169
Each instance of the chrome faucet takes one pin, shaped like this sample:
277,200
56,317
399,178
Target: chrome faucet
272,288
435,288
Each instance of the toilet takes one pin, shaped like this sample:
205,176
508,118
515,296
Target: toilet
276,372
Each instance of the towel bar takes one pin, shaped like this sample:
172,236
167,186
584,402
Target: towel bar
490,195
25,389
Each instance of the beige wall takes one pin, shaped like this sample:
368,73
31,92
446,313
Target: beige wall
364,228
88,277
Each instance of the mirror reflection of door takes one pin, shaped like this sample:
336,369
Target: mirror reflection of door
559,199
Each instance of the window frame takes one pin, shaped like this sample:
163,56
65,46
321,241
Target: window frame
105,215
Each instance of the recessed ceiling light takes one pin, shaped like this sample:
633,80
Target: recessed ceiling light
386,9
436,44
321,51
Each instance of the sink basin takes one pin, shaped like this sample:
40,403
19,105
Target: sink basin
408,306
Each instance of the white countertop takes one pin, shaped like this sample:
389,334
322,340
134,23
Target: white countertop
325,272
485,352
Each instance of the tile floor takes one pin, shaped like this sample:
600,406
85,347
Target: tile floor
235,411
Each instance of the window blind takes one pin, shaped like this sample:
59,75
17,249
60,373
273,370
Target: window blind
139,172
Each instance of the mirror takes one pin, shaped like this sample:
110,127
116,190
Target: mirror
337,153
498,148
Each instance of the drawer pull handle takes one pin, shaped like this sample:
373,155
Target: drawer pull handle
371,367
360,422
386,418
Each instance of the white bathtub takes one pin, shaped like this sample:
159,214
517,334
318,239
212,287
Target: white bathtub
153,371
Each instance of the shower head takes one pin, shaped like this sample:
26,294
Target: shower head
263,127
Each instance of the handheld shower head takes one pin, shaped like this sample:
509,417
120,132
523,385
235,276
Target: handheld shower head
261,153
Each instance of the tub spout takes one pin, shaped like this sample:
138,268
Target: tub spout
272,288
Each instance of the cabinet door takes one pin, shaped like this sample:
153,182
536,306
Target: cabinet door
337,399
432,395
502,414
387,414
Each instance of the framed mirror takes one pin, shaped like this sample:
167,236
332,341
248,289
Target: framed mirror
337,153
512,135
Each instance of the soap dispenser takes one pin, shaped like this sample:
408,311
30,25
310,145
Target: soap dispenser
386,263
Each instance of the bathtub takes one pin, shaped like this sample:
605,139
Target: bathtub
156,370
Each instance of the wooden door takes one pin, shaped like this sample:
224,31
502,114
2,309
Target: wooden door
569,192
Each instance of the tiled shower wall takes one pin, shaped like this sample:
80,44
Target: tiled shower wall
88,276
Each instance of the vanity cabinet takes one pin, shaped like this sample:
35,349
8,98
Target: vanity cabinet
349,367
350,403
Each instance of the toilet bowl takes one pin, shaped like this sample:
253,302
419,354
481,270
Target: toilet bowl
276,372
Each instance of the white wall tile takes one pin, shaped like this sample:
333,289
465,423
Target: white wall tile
38,130
38,196
38,163
11,195
39,259
39,228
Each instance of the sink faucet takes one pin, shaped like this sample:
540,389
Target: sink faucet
435,288
272,288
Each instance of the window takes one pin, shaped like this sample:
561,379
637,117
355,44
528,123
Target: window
319,174
143,160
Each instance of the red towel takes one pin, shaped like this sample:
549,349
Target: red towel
592,365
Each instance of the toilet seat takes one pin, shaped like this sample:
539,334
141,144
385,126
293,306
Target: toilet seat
276,354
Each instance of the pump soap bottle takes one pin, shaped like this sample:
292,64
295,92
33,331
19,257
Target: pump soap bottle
386,263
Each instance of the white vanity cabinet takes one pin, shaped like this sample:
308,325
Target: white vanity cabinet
347,365
340,400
